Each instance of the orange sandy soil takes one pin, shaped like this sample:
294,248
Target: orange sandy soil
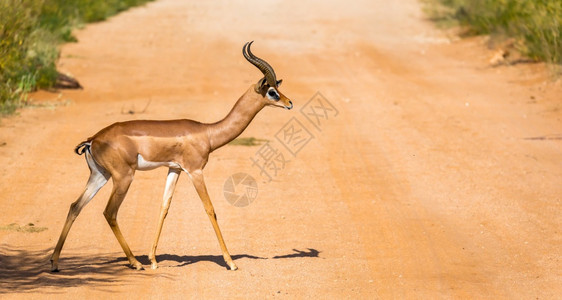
439,177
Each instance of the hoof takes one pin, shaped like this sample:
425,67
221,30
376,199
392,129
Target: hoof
137,266
54,266
233,267
154,266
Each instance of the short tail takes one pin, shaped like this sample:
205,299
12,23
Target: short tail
82,147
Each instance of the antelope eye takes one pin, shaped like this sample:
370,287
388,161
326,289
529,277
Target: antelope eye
272,93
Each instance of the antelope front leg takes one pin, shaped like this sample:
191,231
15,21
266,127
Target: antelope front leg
199,184
171,181
120,188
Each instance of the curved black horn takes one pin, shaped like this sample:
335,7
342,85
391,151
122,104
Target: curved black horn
261,64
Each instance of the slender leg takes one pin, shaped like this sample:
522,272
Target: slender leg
199,183
120,188
173,175
98,178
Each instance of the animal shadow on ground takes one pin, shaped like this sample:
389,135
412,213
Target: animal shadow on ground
298,253
217,259
25,271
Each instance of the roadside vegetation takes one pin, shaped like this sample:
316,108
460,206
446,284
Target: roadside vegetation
30,33
249,141
535,25
30,227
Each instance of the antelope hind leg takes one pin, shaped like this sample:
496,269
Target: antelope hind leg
98,178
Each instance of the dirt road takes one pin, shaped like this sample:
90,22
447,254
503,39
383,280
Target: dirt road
420,171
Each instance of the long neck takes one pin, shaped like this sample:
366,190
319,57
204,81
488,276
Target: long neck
243,112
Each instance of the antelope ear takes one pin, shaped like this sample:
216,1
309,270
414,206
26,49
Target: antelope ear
279,82
261,83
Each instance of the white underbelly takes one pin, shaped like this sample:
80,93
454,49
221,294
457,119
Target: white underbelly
145,165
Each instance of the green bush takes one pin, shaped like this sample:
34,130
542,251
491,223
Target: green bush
31,30
17,23
537,24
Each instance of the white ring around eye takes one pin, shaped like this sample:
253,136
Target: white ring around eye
272,94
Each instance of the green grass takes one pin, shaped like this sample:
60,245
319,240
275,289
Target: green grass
535,24
26,228
30,32
250,141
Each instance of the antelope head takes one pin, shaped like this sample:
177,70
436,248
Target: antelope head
268,86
